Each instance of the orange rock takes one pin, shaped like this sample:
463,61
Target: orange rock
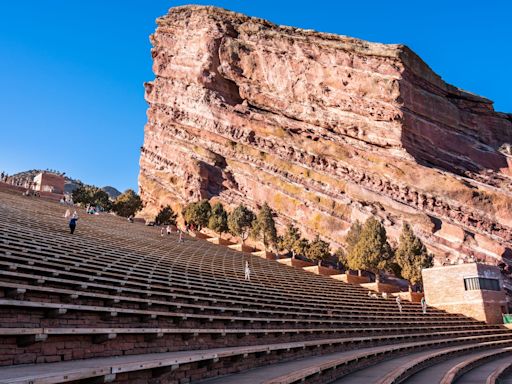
324,128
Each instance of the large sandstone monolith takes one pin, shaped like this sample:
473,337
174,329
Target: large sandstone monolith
325,128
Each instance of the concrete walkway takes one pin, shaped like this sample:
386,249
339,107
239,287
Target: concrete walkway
259,375
435,373
479,375
375,372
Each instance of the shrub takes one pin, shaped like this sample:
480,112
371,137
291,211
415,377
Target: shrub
166,216
318,249
127,204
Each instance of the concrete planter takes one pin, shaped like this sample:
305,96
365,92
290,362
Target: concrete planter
241,248
219,240
295,262
319,270
351,279
381,287
264,255
198,235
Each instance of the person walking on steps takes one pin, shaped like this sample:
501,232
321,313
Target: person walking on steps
399,303
247,271
180,237
72,223
424,305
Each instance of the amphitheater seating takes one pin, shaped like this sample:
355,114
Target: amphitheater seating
117,302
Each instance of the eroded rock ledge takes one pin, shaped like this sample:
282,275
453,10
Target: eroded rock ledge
327,129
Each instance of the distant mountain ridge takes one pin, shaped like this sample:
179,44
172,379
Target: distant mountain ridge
70,183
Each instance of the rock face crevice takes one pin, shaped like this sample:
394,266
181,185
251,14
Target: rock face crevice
327,129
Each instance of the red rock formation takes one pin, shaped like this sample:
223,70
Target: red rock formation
325,128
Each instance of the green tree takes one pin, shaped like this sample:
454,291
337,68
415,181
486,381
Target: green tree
240,221
90,195
127,204
353,235
412,256
198,213
264,227
372,252
318,249
341,256
289,238
218,220
300,247
166,216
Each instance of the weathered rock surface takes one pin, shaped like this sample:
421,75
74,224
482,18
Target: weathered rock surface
327,129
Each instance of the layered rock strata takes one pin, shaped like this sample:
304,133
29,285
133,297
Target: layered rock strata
327,129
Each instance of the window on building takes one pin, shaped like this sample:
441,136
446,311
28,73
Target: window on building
474,283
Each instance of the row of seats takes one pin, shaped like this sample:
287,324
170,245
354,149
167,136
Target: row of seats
117,301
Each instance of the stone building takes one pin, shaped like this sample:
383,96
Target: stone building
49,182
474,290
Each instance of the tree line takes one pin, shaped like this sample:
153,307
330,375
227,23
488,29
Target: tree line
367,246
126,204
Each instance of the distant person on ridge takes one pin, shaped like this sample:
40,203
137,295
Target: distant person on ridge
247,271
72,223
399,303
180,238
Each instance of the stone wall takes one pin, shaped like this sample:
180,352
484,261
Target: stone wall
444,289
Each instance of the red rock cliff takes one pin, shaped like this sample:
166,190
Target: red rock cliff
325,128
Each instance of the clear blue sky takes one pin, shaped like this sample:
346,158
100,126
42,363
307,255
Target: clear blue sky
71,72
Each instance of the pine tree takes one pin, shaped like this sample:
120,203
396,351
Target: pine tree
240,221
218,220
264,227
412,256
372,251
318,249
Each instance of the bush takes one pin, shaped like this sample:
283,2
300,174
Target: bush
127,204
166,216
318,249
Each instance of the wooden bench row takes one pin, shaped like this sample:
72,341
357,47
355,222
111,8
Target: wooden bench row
74,370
